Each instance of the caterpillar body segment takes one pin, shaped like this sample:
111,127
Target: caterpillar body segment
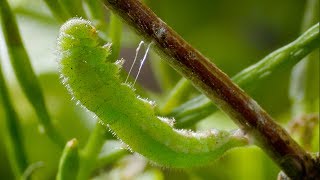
95,82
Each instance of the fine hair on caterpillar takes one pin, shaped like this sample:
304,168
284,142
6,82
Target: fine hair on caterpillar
94,80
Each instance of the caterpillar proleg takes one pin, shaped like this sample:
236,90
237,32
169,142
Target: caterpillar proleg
95,82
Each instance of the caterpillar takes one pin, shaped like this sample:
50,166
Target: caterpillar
95,82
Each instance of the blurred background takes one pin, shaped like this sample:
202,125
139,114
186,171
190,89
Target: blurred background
233,34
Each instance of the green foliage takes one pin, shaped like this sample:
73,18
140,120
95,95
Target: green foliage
69,162
12,132
24,72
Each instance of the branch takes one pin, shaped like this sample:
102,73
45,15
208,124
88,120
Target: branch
216,85
286,57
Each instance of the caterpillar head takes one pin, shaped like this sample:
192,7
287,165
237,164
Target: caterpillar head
77,32
78,42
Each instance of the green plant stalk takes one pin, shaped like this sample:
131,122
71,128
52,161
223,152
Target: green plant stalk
31,169
95,9
178,94
73,7
103,161
69,161
211,81
24,72
115,33
30,13
304,85
286,57
165,76
57,10
97,15
89,154
12,132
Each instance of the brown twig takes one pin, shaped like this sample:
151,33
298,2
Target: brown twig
210,80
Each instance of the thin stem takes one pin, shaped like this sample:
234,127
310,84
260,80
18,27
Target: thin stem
30,13
304,86
193,111
57,10
69,162
211,81
73,7
115,33
12,132
97,16
31,169
91,151
95,9
110,158
177,95
166,77
286,57
24,72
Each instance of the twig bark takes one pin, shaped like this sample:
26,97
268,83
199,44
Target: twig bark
210,80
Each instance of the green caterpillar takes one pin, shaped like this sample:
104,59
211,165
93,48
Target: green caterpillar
95,82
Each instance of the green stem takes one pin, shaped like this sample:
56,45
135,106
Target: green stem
73,7
30,13
91,151
165,76
12,132
97,16
200,107
110,158
69,162
178,94
304,87
115,32
24,72
31,169
57,10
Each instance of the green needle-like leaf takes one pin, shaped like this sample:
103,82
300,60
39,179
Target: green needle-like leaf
12,132
69,162
24,72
